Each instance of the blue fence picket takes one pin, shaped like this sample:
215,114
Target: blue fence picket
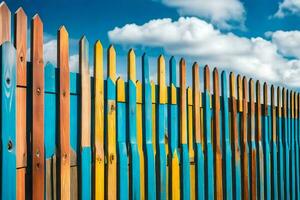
8,121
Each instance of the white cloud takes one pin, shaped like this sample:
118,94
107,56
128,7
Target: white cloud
287,42
264,59
288,7
225,14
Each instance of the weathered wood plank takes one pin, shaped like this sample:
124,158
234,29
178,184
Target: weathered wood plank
8,121
286,144
111,168
244,141
274,187
150,179
5,23
64,115
99,165
135,182
236,157
123,180
266,144
226,146
209,162
174,189
253,154
38,160
161,156
185,162
217,138
292,145
85,151
260,167
280,145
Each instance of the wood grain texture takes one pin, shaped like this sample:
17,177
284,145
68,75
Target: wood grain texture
217,138
185,162
253,153
98,186
111,167
5,23
64,115
38,160
274,152
150,178
85,151
244,139
208,148
236,155
260,159
8,121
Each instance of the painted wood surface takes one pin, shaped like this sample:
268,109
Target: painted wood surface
64,113
174,169
209,162
280,145
236,157
150,178
161,155
292,144
99,165
111,168
38,165
185,162
86,158
5,23
8,121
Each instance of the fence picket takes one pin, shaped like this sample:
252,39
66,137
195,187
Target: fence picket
20,42
274,186
253,154
38,160
296,145
147,127
292,145
161,128
260,167
173,134
244,141
111,175
236,157
280,146
207,133
184,158
99,164
123,179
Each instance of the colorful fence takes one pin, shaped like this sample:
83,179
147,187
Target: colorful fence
68,135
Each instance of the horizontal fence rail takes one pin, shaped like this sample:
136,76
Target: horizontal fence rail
67,135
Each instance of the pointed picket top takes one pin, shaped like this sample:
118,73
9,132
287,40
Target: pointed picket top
131,66
111,61
183,114
196,99
265,99
206,78
216,86
251,90
162,80
232,85
98,63
240,93
272,96
63,48
84,55
252,109
36,20
121,97
145,69
273,113
258,98
5,23
20,12
173,71
279,102
284,111
245,93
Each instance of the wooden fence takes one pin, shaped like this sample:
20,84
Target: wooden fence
67,135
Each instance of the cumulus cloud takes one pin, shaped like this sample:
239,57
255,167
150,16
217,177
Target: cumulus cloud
288,7
225,14
259,57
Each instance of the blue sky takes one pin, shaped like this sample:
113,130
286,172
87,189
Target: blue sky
257,38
